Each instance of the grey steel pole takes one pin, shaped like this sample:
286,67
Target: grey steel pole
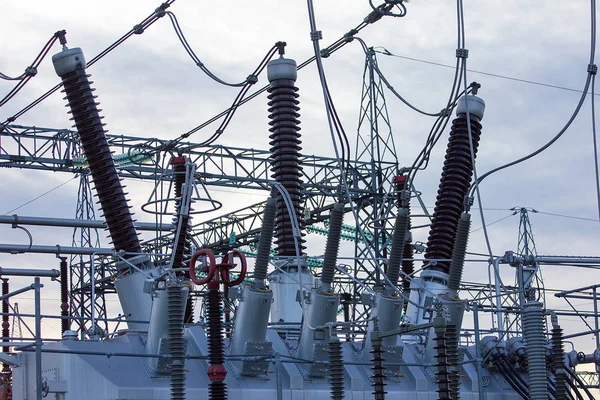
278,376
478,351
57,249
596,318
46,273
38,341
16,292
75,223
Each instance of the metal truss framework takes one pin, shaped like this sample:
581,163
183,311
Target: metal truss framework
58,150
375,146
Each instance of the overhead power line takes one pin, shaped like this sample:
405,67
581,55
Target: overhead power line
386,52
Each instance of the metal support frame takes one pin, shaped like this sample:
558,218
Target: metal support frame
375,147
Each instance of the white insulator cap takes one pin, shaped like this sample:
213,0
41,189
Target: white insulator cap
68,60
476,106
282,68
69,335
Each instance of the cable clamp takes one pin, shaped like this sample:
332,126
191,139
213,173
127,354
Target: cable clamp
316,35
160,11
252,79
462,53
325,53
31,71
200,64
592,69
138,29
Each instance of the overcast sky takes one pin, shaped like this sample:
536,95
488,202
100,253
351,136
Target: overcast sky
148,87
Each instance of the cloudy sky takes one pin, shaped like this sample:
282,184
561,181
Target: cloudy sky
148,87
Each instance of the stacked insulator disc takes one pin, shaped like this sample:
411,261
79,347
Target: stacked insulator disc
558,363
407,253
182,248
217,388
88,122
453,188
65,323
176,341
378,373
443,374
336,370
285,148
452,352
5,323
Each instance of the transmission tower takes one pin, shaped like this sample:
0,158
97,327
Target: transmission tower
528,278
375,145
80,274
16,330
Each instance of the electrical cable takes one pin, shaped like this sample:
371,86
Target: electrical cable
137,29
470,133
375,67
236,103
386,52
579,381
595,146
373,17
31,71
41,195
195,58
590,72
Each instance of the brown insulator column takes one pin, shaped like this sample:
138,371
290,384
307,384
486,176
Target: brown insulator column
70,66
454,184
285,142
5,323
65,322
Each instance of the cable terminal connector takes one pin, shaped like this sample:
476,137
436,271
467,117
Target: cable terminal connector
592,69
252,79
462,53
349,36
316,35
62,38
281,47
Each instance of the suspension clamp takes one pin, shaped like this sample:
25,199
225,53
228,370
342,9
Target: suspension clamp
316,35
462,53
252,79
138,29
31,71
592,69
160,11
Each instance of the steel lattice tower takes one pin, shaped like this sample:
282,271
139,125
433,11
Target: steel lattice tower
375,144
528,278
80,271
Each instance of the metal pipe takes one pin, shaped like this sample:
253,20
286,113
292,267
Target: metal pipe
56,249
478,351
38,338
16,292
46,273
75,223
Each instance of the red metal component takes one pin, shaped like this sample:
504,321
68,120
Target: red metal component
217,272
216,372
225,267
177,160
211,267
400,179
